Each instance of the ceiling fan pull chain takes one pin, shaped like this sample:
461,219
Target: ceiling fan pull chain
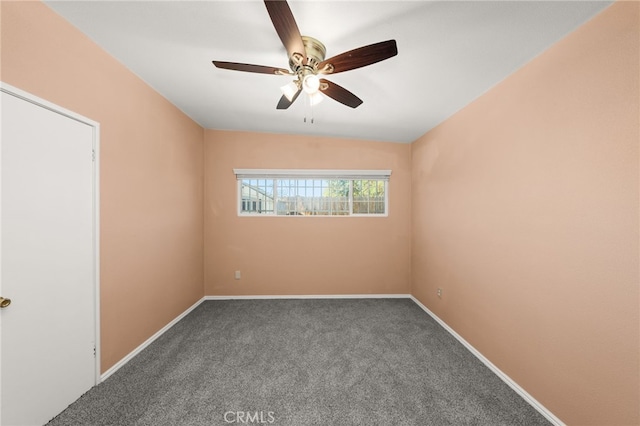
308,109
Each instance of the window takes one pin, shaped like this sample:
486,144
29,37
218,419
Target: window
312,192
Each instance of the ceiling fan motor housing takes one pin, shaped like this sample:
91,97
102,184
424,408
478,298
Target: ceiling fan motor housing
315,52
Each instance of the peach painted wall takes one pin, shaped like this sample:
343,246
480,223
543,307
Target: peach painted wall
304,255
525,213
151,172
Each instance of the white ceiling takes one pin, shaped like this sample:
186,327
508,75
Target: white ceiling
449,53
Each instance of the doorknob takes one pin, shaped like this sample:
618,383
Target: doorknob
4,302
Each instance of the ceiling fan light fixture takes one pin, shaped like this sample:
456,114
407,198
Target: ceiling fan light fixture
289,90
311,84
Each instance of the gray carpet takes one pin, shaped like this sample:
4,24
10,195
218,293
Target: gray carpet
303,362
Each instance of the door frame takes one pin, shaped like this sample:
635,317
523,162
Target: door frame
28,97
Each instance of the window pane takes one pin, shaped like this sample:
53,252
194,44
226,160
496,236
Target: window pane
369,197
257,196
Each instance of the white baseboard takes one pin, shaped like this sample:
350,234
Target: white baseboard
508,380
314,296
147,342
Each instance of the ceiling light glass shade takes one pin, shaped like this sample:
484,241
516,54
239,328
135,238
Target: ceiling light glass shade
289,90
315,98
311,84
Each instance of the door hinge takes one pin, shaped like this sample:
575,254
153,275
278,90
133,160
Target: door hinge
93,155
94,351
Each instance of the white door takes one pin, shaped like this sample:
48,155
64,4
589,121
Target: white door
48,259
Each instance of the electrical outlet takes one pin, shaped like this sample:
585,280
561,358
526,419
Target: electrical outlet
439,292
238,275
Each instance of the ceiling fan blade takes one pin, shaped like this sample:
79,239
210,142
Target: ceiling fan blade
251,68
286,27
359,57
285,103
340,94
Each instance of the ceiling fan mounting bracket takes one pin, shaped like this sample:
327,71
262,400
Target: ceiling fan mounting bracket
283,72
326,69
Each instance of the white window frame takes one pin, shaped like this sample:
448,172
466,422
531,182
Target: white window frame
350,175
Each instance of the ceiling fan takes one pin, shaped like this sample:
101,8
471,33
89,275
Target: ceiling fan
307,62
